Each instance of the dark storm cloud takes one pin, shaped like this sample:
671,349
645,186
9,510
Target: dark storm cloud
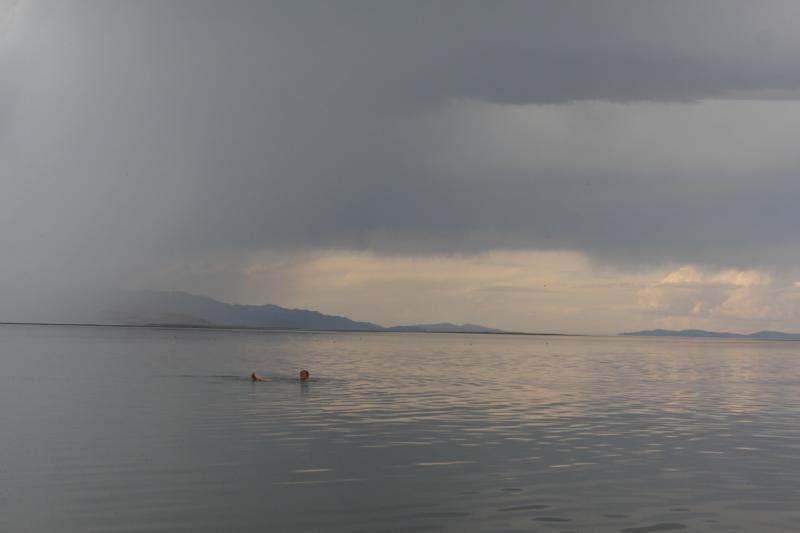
409,56
137,131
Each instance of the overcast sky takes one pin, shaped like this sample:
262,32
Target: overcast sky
563,166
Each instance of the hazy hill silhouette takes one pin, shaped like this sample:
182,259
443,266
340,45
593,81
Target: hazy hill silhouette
181,308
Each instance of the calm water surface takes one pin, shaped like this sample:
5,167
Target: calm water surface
115,429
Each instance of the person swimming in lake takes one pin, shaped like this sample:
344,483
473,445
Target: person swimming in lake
304,375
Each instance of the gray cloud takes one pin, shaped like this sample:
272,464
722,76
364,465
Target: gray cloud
134,132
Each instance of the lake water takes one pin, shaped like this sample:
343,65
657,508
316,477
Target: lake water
135,429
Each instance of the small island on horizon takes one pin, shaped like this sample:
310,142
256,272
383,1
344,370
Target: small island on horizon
700,333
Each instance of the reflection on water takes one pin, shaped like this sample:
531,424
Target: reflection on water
110,429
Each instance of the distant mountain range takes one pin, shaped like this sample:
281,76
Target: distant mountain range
184,309
759,335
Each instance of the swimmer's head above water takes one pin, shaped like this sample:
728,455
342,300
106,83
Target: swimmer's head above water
304,375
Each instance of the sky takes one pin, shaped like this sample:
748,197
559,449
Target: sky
579,167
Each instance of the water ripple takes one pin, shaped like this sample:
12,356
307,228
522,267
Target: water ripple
139,431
